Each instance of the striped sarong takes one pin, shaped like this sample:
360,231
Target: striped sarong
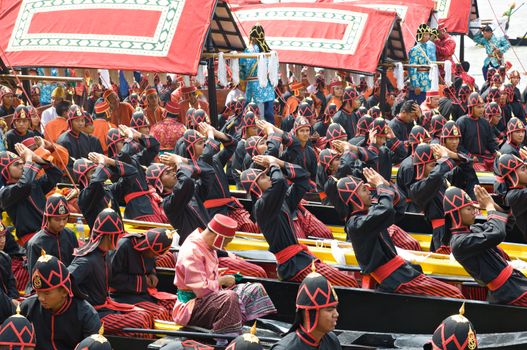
254,301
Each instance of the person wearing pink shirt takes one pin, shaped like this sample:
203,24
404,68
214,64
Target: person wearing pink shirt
205,297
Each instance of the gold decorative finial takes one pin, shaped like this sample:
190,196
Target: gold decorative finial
313,267
109,204
18,309
101,330
253,328
450,118
42,252
462,309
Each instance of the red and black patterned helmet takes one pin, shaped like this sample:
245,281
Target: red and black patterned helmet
418,135
474,99
249,179
492,109
436,124
237,108
379,125
94,342
188,115
75,112
157,240
251,145
507,164
56,205
108,222
363,125
315,293
449,91
455,333
347,189
253,107
375,112
306,110
509,88
190,137
6,159
326,157
199,116
450,130
513,125
50,273
349,95
496,79
134,99
17,333
247,120
335,132
490,73
81,168
362,111
453,201
463,92
21,113
300,122
247,341
330,111
422,155
139,120
493,95
153,176
112,138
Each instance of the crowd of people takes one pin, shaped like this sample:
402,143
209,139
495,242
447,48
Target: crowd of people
157,153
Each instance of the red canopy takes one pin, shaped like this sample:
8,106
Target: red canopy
156,36
339,36
455,15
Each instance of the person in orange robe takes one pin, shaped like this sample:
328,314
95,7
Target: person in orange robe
59,125
101,125
52,152
121,111
292,102
153,111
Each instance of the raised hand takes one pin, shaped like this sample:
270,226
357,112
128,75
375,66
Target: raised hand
484,199
374,178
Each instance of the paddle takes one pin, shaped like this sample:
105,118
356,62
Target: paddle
193,335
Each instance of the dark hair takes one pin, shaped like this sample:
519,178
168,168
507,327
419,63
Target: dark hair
63,107
465,65
487,29
408,106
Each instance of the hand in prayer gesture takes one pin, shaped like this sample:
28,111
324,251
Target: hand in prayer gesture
374,178
484,199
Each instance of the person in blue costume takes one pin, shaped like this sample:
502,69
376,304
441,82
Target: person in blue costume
249,72
418,55
494,46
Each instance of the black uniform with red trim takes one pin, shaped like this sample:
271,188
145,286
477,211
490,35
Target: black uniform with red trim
367,231
315,293
427,194
477,137
475,248
405,177
137,197
75,320
401,129
184,206
23,201
393,152
302,156
8,282
95,197
79,145
348,120
12,137
274,212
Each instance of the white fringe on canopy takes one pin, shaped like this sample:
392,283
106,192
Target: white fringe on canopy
448,72
273,68
235,69
434,77
200,77
398,71
222,70
262,70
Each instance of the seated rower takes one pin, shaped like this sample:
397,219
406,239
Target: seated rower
475,246
315,319
134,278
16,332
9,294
366,228
60,317
206,299
91,273
55,238
275,204
515,137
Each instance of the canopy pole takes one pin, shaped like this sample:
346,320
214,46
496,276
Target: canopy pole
462,48
211,81
26,85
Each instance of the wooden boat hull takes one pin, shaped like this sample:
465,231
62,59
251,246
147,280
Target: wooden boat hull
373,311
